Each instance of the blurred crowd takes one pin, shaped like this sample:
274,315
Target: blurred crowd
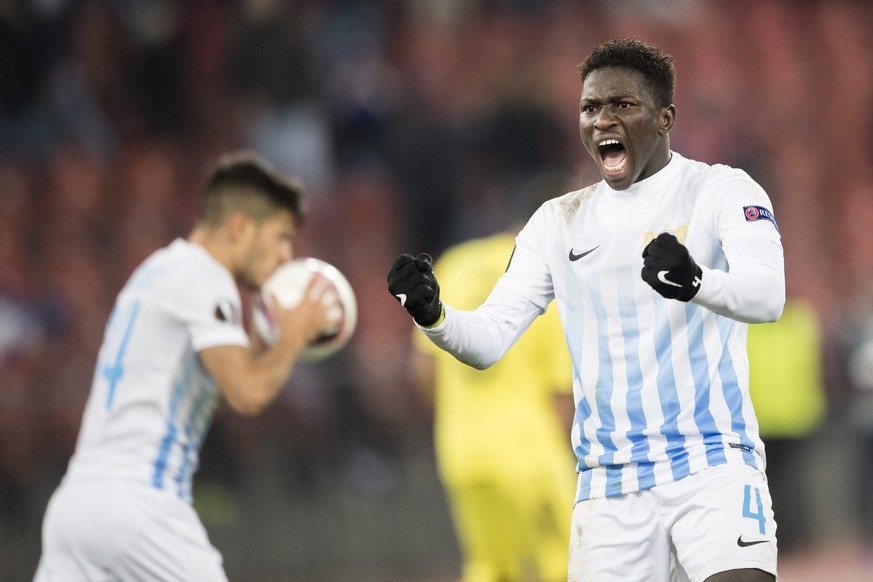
414,124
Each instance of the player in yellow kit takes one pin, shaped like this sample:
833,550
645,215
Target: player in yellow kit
501,445
786,383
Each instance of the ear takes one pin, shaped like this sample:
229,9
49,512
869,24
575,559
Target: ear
666,119
238,225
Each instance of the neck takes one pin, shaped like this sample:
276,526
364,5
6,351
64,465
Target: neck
216,243
659,162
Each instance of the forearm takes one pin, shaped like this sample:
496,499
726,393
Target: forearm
480,338
270,371
753,290
250,381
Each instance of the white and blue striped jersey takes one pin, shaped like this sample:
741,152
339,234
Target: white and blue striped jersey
661,386
151,399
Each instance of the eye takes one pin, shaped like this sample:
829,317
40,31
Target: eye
588,109
625,105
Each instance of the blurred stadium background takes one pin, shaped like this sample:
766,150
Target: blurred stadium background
415,124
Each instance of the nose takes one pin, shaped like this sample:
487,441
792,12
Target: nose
604,119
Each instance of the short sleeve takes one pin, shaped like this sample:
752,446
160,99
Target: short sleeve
207,302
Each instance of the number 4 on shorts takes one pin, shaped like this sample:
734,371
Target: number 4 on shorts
747,507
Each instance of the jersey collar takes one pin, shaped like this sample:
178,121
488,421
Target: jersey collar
656,181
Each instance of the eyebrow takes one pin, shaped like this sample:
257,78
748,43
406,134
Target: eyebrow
611,99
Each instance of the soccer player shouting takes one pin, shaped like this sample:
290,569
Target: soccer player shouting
656,271
174,347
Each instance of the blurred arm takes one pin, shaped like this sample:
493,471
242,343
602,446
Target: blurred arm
250,378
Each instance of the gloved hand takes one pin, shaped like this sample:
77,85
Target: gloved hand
669,268
412,282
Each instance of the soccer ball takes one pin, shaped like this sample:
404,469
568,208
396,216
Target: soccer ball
288,284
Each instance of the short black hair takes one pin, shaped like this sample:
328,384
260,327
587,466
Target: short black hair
245,181
655,65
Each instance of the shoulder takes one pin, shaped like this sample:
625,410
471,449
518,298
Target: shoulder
561,209
193,264
571,202
719,178
180,269
731,197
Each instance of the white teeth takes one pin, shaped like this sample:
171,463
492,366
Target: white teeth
616,168
608,142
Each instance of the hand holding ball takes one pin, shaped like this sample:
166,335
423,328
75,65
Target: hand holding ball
287,284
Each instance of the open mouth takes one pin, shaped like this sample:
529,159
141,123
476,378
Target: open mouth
613,157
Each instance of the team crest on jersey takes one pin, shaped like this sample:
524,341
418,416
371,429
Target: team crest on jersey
680,232
227,311
755,213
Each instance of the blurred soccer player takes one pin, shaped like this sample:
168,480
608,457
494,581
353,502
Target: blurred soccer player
501,445
656,272
787,386
174,347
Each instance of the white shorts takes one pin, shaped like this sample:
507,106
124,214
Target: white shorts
99,532
716,520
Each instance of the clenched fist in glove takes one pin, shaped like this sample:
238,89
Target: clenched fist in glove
412,282
669,268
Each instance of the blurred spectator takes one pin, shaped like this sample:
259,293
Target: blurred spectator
857,343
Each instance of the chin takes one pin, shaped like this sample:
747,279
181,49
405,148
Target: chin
620,184
248,283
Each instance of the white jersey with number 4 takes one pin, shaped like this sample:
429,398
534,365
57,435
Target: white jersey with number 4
661,386
152,400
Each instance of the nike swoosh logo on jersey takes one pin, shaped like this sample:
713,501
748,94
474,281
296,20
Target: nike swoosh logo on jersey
402,298
575,257
744,544
662,277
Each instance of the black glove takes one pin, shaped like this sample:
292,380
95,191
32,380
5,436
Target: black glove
669,268
412,282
